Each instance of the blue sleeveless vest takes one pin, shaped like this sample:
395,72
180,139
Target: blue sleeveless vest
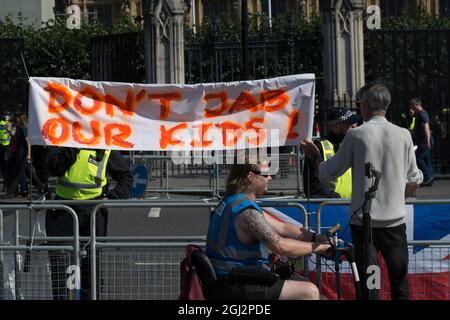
222,244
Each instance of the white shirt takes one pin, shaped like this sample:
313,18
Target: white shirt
390,150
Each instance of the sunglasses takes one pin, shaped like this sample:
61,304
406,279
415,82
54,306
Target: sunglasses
259,173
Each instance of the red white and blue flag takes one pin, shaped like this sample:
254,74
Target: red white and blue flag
429,267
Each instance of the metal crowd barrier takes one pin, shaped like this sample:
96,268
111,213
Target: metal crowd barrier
167,176
150,265
438,245
206,174
31,249
164,285
95,242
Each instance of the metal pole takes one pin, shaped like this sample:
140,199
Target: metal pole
1,227
244,39
167,179
194,22
161,170
85,10
149,50
16,227
269,4
93,256
318,259
2,270
30,195
299,170
306,258
18,258
216,192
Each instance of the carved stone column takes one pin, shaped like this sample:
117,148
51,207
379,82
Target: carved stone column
343,47
164,40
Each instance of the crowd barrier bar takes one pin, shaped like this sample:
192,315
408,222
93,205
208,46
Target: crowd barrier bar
347,202
121,238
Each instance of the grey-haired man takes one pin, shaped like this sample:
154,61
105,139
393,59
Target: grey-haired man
390,149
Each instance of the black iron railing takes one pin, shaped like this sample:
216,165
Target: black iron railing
115,58
414,64
13,83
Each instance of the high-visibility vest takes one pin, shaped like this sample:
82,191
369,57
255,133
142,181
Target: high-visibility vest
85,179
412,124
223,246
343,184
5,137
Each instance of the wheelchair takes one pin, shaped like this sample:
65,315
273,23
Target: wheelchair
212,285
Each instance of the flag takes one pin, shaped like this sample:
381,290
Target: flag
429,267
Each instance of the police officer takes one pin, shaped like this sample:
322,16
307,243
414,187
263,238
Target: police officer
82,175
408,120
339,121
5,140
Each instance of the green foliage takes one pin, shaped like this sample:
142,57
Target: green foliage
226,28
422,20
56,51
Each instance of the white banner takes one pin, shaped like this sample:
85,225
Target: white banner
128,116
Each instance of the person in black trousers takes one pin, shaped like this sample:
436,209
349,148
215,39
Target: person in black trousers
70,165
19,158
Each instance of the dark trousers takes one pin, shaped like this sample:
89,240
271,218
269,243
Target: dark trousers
3,153
20,169
391,242
59,224
423,159
17,168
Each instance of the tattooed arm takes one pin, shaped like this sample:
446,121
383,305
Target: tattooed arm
288,230
252,224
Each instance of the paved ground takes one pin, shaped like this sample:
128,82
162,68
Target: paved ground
439,190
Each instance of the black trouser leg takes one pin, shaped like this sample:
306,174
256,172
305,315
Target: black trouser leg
9,174
3,152
358,240
59,261
392,243
394,248
18,174
59,224
101,231
36,182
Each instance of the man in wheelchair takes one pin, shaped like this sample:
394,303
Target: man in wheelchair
241,234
